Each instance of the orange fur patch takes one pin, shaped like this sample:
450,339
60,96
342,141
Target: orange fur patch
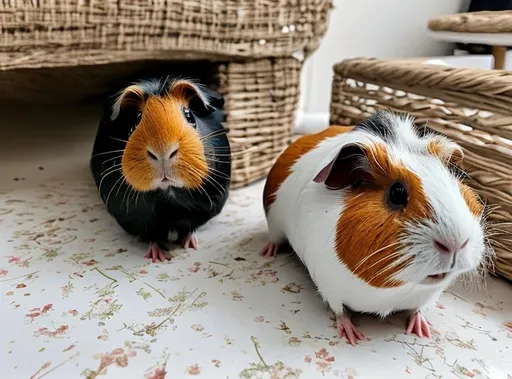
472,200
282,167
447,155
368,230
162,126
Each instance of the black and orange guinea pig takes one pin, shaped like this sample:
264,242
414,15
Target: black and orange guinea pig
162,162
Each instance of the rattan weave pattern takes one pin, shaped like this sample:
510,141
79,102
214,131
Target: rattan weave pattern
261,99
31,29
256,49
471,106
474,22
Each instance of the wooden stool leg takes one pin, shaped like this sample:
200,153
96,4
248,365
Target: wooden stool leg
499,52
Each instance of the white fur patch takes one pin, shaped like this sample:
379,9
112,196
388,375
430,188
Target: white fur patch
306,213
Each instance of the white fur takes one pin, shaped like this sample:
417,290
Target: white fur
306,213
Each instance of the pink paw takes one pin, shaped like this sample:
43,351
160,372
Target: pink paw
190,241
418,325
156,254
270,250
347,329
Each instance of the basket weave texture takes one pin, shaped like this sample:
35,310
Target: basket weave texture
471,106
256,49
474,22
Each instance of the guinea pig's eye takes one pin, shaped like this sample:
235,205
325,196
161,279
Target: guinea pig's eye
357,183
397,196
189,116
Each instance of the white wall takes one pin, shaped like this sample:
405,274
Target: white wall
372,28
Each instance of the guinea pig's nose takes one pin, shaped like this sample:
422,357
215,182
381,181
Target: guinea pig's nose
163,157
448,248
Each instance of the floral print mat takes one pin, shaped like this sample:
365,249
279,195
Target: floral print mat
79,300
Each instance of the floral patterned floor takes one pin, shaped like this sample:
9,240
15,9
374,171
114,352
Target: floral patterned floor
79,300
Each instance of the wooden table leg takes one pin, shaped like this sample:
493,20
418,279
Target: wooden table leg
499,53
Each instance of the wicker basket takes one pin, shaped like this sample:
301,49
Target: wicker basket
473,107
250,51
474,22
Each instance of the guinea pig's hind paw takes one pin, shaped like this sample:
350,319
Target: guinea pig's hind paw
156,254
418,325
190,241
269,250
347,329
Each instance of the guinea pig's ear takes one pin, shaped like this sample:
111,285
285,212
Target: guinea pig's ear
201,100
345,169
129,104
449,152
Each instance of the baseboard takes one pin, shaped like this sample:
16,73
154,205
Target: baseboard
311,122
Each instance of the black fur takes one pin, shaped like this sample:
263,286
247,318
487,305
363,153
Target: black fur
152,215
380,124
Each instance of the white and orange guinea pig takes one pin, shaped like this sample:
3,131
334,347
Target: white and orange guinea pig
378,215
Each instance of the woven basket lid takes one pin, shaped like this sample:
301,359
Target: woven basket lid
474,22
71,32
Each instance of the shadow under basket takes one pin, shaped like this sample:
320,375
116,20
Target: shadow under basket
261,98
471,106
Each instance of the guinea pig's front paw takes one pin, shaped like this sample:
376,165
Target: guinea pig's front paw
190,241
418,325
269,250
156,254
347,329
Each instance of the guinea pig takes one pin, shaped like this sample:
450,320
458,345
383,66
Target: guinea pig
161,161
379,216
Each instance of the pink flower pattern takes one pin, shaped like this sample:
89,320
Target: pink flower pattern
79,300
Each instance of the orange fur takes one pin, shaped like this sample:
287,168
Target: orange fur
366,212
281,169
162,126
439,149
455,156
185,90
472,200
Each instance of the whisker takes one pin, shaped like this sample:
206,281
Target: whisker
111,159
221,154
375,252
219,173
124,195
130,196
208,196
217,183
224,147
118,139
108,152
208,179
391,265
218,161
229,149
110,168
390,256
212,134
104,176
137,199
121,185
111,189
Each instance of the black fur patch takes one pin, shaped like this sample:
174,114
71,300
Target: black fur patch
380,124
